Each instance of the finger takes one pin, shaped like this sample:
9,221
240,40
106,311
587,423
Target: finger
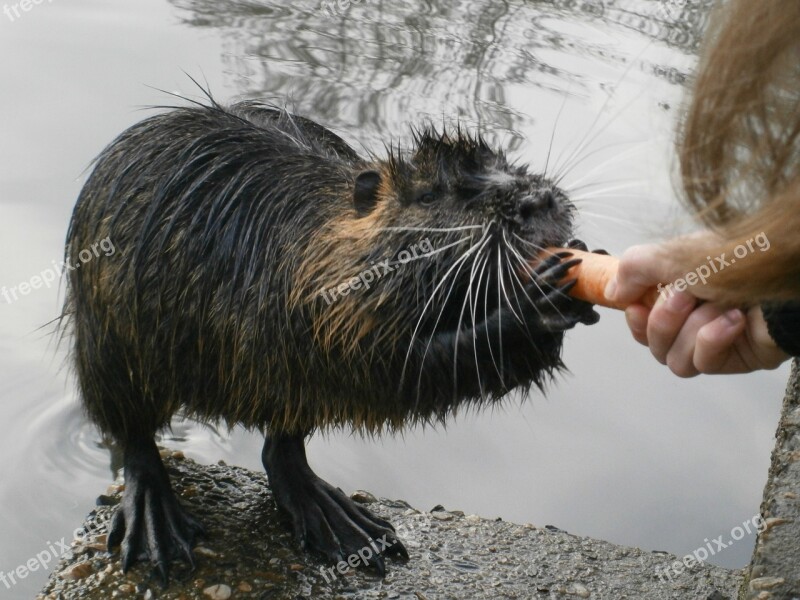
665,323
715,349
757,347
636,317
681,354
640,268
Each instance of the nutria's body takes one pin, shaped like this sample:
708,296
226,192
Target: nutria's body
230,224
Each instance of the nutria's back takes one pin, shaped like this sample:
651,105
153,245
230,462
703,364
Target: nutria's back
240,236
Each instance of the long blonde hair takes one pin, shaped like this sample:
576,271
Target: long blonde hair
739,148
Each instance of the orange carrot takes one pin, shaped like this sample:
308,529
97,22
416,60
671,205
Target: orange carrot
593,274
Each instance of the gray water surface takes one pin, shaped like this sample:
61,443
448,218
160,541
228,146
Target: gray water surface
619,449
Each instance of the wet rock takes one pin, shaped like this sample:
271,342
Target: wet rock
218,592
766,583
249,553
77,571
203,551
775,569
363,497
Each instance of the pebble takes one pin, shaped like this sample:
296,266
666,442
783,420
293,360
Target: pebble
581,591
79,571
507,560
218,592
772,522
203,551
363,497
442,516
472,519
766,583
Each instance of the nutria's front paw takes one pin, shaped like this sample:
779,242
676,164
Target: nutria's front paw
550,307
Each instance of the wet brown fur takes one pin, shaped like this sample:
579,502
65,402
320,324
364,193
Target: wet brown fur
228,222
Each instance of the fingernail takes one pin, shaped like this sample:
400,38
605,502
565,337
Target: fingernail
734,317
679,302
611,289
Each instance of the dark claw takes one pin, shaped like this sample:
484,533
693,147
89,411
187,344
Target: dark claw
552,309
116,530
325,519
163,573
549,262
150,523
379,564
553,275
577,244
565,289
399,549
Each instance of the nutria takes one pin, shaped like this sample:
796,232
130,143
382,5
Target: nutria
230,224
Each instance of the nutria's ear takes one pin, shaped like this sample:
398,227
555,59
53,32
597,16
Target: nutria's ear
365,196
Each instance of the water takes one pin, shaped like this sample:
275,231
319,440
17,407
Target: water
619,449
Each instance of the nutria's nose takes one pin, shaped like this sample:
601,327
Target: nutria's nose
531,206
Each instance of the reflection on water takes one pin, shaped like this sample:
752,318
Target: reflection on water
635,457
378,63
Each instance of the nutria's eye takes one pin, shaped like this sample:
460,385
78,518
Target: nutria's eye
426,198
365,194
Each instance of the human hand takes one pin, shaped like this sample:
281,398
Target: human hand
684,333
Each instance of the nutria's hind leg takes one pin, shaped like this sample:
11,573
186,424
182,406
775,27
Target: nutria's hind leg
150,522
324,519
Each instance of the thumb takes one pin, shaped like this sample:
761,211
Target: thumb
640,269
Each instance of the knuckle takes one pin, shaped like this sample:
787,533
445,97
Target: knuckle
660,330
632,259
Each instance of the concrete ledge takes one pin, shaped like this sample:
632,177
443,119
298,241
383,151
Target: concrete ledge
775,569
250,554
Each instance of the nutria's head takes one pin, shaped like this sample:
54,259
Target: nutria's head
459,180
442,233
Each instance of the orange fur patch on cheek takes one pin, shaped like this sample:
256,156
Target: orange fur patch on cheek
327,280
